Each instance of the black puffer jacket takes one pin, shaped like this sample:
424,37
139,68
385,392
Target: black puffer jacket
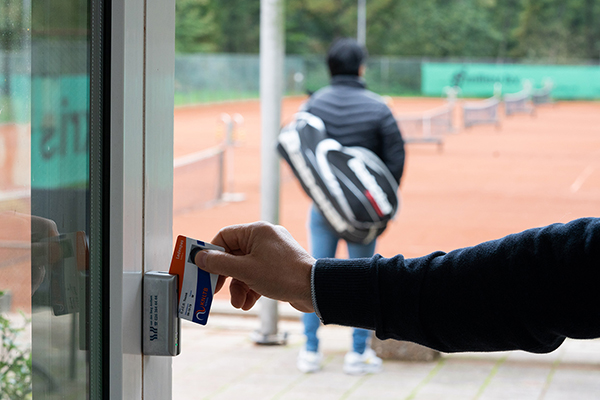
355,116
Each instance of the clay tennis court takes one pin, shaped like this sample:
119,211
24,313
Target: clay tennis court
487,182
484,184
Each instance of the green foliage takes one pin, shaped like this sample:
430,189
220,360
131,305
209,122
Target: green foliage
65,18
311,25
195,27
226,26
12,34
239,24
12,25
15,363
532,29
436,29
559,30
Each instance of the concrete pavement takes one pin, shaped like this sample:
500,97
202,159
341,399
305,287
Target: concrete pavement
219,361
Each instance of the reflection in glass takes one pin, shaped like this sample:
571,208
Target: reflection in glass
44,192
15,222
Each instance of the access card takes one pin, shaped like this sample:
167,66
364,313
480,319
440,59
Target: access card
196,286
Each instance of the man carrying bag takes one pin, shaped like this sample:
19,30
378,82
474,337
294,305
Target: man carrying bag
355,163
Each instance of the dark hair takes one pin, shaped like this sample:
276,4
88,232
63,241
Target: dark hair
345,56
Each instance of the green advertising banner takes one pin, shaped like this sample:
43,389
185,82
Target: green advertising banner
15,106
59,132
477,80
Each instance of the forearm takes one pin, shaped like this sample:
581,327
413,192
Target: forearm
526,291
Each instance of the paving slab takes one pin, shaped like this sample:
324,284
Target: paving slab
219,361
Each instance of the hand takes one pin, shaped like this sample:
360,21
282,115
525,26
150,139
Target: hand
43,252
263,259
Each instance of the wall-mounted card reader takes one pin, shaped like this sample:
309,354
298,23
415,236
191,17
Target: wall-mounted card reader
162,326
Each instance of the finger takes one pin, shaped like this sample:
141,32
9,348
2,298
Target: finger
239,292
42,228
251,299
220,283
231,238
45,253
238,238
218,262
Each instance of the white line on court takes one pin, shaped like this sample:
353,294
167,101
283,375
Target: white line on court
581,178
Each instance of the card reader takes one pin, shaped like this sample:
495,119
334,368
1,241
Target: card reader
162,326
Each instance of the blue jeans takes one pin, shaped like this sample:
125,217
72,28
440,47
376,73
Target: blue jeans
324,241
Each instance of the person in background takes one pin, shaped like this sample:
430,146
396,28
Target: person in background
354,116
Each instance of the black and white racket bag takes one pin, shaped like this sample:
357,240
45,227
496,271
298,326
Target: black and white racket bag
351,186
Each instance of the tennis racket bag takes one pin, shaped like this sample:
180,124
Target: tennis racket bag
351,186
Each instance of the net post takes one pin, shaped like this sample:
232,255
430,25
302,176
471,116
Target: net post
229,176
221,181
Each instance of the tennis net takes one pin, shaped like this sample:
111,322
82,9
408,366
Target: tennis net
519,102
543,95
198,179
481,112
428,127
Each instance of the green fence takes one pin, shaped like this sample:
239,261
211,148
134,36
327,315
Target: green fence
201,78
214,77
478,79
204,78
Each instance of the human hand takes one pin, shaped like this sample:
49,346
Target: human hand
263,259
42,252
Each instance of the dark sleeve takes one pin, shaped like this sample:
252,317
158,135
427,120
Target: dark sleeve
526,291
392,144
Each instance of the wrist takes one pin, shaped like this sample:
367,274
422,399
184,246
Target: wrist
304,294
338,285
313,293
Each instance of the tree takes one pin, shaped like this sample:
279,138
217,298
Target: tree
311,25
239,25
556,29
196,30
12,34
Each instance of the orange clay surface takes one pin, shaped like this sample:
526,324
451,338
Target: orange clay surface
485,183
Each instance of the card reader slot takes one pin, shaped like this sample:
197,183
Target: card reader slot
161,324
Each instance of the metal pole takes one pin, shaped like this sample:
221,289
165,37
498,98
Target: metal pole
228,194
361,22
272,49
228,154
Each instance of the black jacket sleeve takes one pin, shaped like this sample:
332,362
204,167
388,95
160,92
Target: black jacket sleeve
392,144
526,291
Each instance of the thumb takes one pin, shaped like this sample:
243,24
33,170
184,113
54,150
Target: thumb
217,262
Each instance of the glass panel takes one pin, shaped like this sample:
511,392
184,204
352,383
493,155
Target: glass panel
44,197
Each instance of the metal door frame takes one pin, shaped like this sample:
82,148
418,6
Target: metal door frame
141,185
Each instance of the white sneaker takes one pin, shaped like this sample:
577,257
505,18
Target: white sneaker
360,364
309,361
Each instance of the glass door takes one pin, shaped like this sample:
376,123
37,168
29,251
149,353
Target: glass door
85,194
45,198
